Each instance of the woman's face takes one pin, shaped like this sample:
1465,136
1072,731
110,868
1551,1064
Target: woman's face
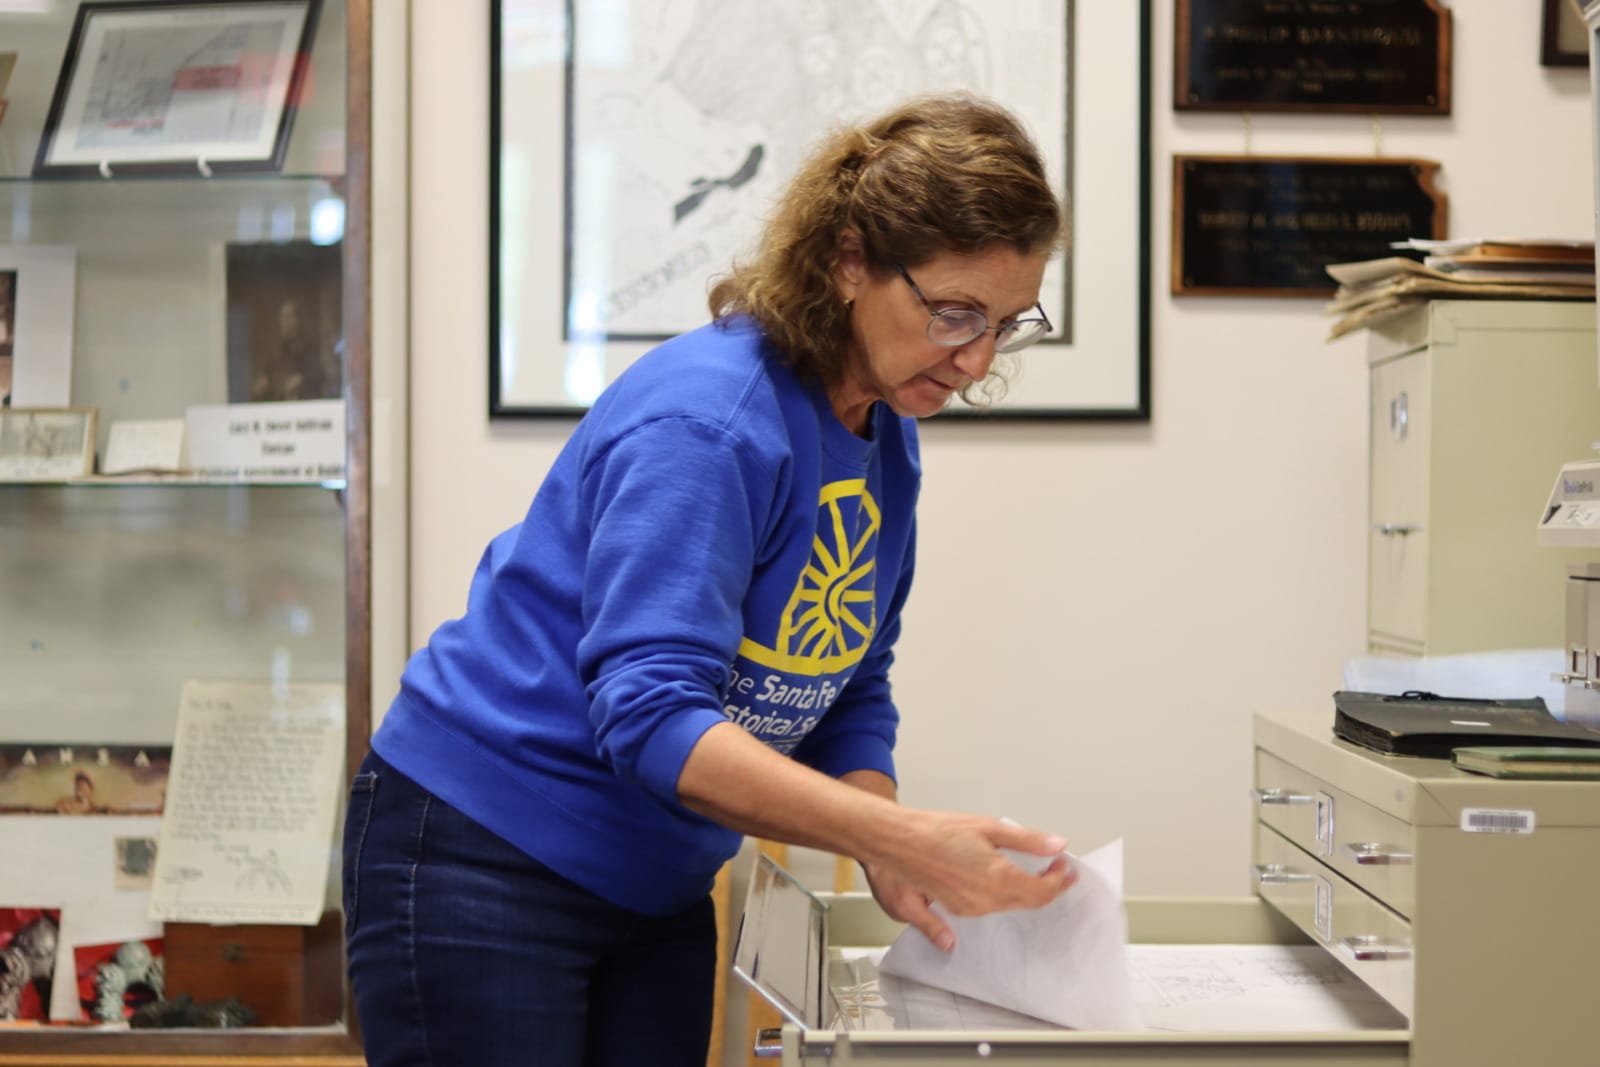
892,358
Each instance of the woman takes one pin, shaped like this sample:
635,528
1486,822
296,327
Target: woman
688,638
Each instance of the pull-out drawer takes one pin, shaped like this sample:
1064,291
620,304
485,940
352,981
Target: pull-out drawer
827,1025
1369,939
1369,847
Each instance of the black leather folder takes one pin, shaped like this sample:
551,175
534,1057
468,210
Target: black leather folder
1426,724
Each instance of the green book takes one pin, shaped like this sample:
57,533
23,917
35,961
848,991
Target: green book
1530,761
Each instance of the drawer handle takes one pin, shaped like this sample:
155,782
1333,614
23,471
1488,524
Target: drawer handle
1372,854
1579,681
1367,947
1280,796
769,1044
1396,529
1278,874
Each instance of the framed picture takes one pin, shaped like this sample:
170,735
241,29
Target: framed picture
163,86
1564,36
636,148
284,322
46,444
36,293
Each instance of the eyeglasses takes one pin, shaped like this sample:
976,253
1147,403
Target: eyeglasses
954,327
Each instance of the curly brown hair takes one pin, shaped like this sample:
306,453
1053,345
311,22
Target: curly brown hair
952,173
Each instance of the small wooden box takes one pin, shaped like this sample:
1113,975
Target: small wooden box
287,975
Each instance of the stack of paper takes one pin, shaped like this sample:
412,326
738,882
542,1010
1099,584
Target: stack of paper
1482,269
1065,963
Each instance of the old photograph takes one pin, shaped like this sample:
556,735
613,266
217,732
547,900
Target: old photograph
46,444
285,322
77,779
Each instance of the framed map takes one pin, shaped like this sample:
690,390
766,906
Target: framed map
636,146
177,86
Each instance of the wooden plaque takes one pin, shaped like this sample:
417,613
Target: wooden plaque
1390,56
1269,225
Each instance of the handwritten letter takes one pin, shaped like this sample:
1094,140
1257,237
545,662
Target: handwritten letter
248,830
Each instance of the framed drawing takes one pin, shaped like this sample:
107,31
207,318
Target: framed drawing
636,147
46,444
1563,35
284,322
36,293
164,86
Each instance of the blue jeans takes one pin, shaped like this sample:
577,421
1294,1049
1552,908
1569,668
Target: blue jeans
464,950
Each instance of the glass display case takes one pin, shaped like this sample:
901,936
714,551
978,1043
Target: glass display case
184,524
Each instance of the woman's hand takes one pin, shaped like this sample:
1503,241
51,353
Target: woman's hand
913,857
956,860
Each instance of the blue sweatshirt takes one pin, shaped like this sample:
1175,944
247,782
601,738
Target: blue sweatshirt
711,545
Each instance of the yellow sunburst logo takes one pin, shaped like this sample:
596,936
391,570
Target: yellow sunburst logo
831,616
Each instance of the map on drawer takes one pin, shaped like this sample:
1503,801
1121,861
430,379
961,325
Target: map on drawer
295,441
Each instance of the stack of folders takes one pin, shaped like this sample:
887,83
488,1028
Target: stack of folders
1372,290
1417,723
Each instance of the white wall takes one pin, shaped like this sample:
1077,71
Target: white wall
1099,609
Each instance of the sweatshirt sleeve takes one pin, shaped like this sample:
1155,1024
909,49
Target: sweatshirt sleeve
674,509
858,732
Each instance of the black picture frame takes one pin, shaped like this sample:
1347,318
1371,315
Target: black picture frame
1563,35
100,125
1118,268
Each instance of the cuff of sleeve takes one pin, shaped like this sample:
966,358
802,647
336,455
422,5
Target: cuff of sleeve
661,761
853,754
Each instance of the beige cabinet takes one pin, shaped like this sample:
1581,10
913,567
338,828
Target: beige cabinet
1464,901
1474,407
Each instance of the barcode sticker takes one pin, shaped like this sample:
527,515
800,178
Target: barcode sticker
1496,821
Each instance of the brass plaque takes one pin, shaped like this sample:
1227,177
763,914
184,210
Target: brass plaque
1312,55
1270,225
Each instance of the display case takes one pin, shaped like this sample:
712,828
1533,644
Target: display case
172,301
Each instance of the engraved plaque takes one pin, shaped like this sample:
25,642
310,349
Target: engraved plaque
1270,225
1312,55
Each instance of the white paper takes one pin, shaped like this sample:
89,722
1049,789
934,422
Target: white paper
1253,988
910,1005
1065,963
1188,988
41,371
248,829
291,441
144,445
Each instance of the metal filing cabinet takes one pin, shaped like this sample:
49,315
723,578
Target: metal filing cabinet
1466,902
1474,405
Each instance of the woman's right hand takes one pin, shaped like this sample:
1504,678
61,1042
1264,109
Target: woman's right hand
956,861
